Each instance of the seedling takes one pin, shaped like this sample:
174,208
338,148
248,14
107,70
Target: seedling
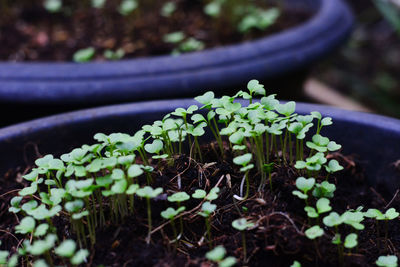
199,194
333,166
244,161
66,248
213,194
168,9
323,206
304,185
206,210
324,189
350,241
98,3
178,198
53,6
114,55
314,232
174,38
217,255
241,225
84,55
353,218
149,193
258,19
390,214
313,163
170,214
387,261
127,7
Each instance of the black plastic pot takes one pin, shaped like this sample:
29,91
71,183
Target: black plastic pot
373,139
30,90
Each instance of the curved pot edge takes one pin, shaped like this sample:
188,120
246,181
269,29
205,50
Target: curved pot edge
332,11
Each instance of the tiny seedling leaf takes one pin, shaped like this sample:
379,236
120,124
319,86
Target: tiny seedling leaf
179,197
217,254
350,241
387,261
314,232
242,224
66,248
199,194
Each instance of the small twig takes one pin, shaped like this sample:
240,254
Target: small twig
394,197
9,233
289,219
9,192
377,194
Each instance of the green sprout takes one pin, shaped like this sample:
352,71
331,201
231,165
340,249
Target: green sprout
312,164
213,9
217,255
127,7
114,55
170,214
213,194
26,225
190,45
155,148
53,6
168,9
322,206
324,189
84,55
314,232
178,198
387,261
149,193
390,214
241,225
244,161
98,3
295,264
206,210
304,185
350,241
353,218
258,19
174,37
199,194
66,248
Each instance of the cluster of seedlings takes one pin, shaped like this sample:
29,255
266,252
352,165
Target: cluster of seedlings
241,16
99,185
244,15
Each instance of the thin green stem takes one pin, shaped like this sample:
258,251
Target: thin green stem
208,226
149,219
244,247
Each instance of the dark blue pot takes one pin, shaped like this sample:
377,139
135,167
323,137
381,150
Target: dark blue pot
29,90
375,140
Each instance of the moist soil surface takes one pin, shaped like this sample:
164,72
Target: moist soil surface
277,240
28,32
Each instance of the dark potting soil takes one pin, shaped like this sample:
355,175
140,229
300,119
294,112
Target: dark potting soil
277,240
30,33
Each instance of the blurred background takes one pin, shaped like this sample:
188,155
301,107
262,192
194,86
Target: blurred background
365,73
362,74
